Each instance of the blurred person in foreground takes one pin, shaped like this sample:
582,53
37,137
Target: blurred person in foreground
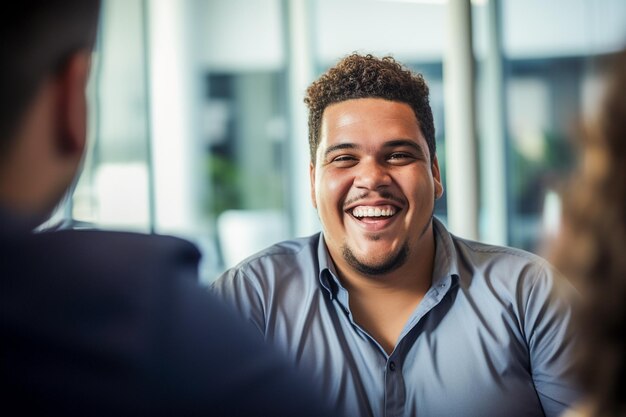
388,310
591,250
103,323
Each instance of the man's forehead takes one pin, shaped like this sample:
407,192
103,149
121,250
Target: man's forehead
368,113
367,105
369,120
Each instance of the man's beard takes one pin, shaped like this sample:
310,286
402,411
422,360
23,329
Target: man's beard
388,265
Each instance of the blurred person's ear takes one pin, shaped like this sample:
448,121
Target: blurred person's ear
49,143
72,104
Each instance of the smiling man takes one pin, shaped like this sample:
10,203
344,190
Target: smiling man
392,314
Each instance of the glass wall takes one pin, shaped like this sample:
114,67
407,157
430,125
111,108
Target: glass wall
198,127
244,124
547,57
114,188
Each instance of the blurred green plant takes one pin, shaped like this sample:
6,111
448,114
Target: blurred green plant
224,177
532,177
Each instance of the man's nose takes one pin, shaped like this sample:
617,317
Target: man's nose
372,175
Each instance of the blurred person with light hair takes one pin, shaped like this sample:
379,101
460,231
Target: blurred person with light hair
591,250
97,323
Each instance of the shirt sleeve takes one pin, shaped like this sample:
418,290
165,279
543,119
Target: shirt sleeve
550,338
244,294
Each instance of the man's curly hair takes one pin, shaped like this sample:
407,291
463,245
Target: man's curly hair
592,250
365,76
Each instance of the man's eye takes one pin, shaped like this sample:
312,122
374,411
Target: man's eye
400,156
343,158
343,161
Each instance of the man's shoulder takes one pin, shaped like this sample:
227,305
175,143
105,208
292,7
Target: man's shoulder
86,260
299,252
470,255
131,239
132,308
93,245
489,252
503,268
291,263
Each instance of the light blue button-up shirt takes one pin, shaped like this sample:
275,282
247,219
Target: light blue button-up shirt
491,337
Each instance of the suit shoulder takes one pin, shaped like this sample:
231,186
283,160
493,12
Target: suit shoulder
122,244
98,259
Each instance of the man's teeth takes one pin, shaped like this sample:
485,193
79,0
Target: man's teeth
373,212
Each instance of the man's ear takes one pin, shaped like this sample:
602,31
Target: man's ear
437,178
72,105
312,177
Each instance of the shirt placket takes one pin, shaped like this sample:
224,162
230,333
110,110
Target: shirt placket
395,393
395,388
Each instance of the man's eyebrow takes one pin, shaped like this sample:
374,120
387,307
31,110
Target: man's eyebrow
404,142
339,147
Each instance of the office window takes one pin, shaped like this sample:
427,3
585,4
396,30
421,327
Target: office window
546,73
114,188
196,122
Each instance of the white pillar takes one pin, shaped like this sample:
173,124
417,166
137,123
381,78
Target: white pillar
301,72
461,157
493,150
175,153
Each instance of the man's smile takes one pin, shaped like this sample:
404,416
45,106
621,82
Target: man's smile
374,216
364,212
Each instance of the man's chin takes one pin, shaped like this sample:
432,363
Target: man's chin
376,267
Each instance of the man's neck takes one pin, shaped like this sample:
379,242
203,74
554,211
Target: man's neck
383,304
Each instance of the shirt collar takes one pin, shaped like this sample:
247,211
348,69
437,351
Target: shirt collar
328,274
446,259
445,266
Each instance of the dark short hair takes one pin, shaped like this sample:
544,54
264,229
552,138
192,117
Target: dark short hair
36,39
365,76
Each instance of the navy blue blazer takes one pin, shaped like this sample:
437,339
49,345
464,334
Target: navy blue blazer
109,323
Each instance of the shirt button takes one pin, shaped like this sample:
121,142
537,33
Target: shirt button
392,366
